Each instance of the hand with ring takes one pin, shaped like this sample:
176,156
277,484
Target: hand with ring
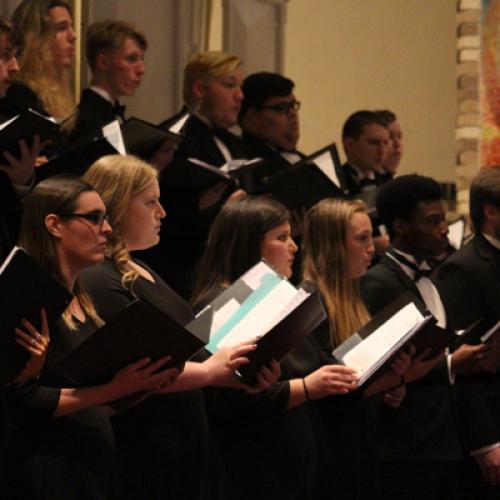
36,343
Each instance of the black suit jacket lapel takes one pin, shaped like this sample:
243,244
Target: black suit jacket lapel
488,253
405,280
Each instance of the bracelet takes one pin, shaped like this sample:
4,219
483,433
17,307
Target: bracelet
305,389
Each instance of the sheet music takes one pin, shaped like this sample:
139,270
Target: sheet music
456,233
258,319
179,124
367,353
325,163
9,258
223,314
113,134
253,277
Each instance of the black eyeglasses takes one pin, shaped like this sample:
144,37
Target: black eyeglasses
96,218
283,108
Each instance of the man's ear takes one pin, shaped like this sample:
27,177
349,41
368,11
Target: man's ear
400,227
198,89
102,62
53,223
348,143
490,211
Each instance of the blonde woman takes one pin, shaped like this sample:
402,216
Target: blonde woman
163,441
49,49
338,249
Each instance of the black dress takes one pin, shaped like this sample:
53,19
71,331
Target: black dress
267,451
162,443
65,458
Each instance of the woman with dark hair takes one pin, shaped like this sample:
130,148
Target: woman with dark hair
59,443
49,48
163,441
274,435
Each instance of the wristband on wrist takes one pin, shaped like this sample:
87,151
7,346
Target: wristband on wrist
306,393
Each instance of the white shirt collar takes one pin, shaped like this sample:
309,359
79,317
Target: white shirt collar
104,94
494,241
362,175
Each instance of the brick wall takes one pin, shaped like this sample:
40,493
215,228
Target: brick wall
468,119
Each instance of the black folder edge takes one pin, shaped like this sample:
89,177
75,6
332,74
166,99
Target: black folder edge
278,341
76,365
332,149
47,130
63,296
165,133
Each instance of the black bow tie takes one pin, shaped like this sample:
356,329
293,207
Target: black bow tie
119,110
419,273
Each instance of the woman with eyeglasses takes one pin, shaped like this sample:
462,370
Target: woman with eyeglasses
59,442
47,59
163,447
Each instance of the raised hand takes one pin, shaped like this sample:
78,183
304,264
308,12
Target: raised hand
36,343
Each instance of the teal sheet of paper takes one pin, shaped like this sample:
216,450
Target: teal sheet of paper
267,284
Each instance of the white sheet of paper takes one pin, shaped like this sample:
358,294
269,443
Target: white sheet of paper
258,321
325,163
177,126
8,122
367,353
223,314
492,331
253,277
113,134
456,233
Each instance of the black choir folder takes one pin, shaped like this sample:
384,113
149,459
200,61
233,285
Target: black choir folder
24,127
305,183
197,175
83,152
25,288
143,138
146,327
263,303
405,321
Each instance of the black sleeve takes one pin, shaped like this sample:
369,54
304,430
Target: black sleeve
31,397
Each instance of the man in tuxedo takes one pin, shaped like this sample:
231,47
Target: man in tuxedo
392,159
418,445
16,177
269,118
212,92
365,138
469,281
115,53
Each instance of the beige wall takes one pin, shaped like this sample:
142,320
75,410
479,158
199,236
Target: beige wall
346,55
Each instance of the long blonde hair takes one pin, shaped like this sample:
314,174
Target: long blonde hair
57,195
52,85
118,179
326,263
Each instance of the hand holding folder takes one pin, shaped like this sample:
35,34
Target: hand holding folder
263,303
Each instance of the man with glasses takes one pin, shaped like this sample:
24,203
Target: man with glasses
269,118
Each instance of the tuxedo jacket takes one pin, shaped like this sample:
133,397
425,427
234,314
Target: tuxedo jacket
469,281
92,113
255,147
423,427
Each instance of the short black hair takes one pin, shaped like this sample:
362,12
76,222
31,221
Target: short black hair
484,189
353,126
398,198
257,88
386,116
